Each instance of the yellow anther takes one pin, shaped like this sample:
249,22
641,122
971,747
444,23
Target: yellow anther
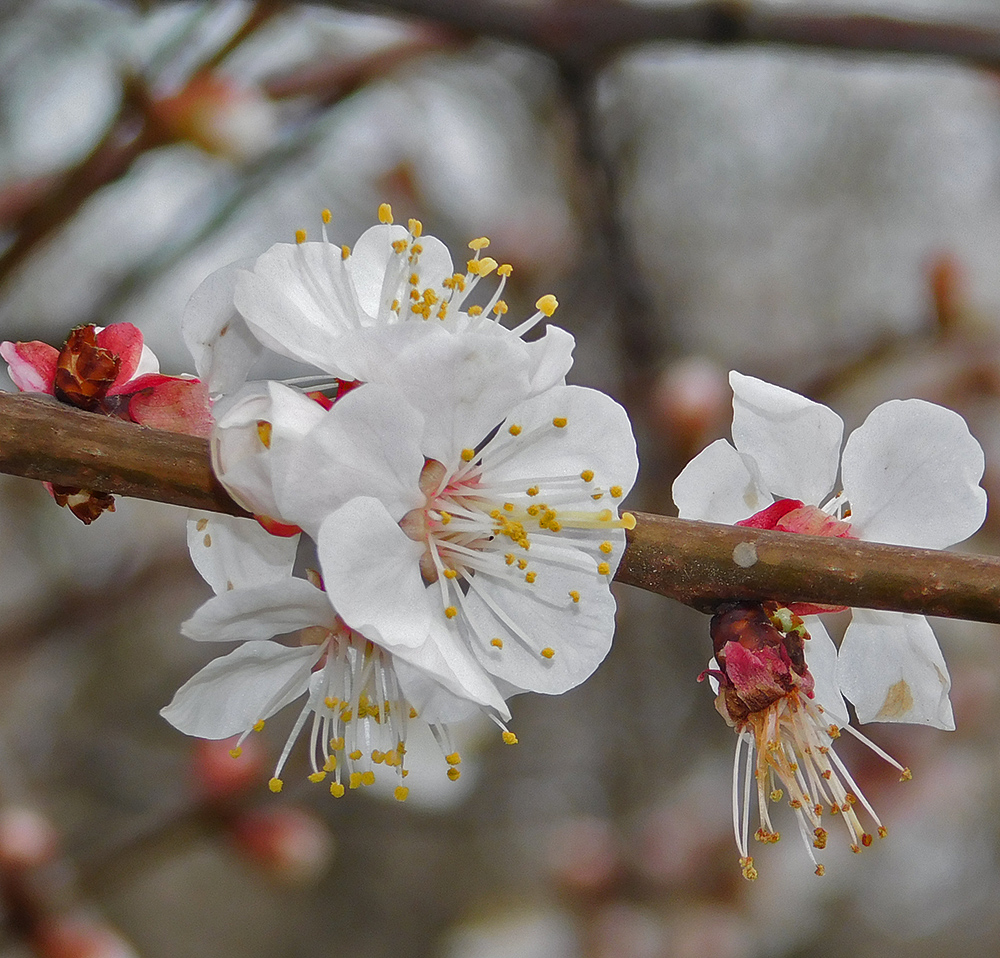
529,577
515,430
533,510
554,526
509,506
355,780
443,311
509,558
559,422
395,305
604,568
587,475
445,518
330,765
532,490
547,304
454,774
628,520
478,244
355,755
337,744
882,831
820,870
385,213
606,548
258,726
414,279
415,251
547,653
574,595
264,430
486,266
275,785
833,731
500,308
906,776
331,703
616,492
468,455
597,496
453,759
505,270
451,573
378,757
337,790
413,714
776,794
496,643
392,758
509,738
472,266
317,776
368,778
345,251
400,246
327,216
522,564
236,752
300,236
475,310
415,227
401,792
451,612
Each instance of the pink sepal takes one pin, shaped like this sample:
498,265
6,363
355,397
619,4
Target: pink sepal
171,404
768,518
32,365
124,341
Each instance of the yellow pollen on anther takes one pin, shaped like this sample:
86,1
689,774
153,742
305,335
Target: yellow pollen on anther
451,573
378,757
454,774
401,792
560,422
472,266
547,304
547,653
574,595
509,558
509,738
628,520
317,776
337,744
515,430
327,216
604,568
505,270
445,518
532,490
258,726
481,243
236,752
414,279
882,831
345,251
415,251
529,577
415,227
355,780
475,310
413,712
275,785
906,776
400,246
500,308
587,475
496,643
616,492
522,564
597,496
451,612
385,213
300,236
453,759
486,266
468,455
368,778
337,790
264,430
606,548
330,765
355,755
508,506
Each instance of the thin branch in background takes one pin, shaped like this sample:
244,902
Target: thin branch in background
701,564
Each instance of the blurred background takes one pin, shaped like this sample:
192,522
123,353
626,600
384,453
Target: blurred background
829,220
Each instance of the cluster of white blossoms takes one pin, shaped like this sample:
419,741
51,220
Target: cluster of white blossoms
438,512
908,475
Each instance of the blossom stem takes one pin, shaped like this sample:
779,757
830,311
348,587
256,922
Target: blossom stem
698,563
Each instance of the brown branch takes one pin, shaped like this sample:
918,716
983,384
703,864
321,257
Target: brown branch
588,32
698,563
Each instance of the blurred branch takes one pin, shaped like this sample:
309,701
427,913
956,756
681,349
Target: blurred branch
698,563
588,32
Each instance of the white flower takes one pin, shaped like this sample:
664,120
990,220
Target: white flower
455,510
909,475
359,696
352,313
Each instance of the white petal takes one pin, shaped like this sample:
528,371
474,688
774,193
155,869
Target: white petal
298,301
370,260
597,436
233,692
366,445
528,618
274,608
794,441
217,336
821,657
551,358
372,574
911,472
718,485
435,703
234,553
891,668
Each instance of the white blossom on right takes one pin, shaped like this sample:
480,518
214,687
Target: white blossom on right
908,475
